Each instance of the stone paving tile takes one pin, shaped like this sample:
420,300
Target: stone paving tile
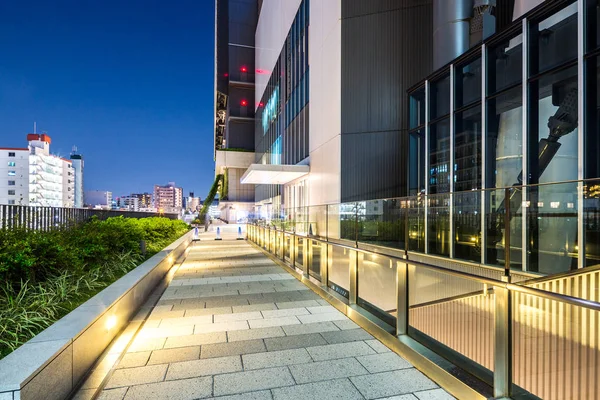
346,324
195,340
137,376
193,312
383,362
243,316
210,366
264,323
309,328
340,389
166,331
255,307
295,342
275,359
138,359
285,312
232,348
350,335
435,394
401,397
297,304
250,381
166,356
146,344
261,395
392,383
322,309
327,370
259,333
221,327
329,316
184,389
340,350
113,394
377,346
184,321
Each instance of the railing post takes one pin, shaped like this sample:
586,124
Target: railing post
402,298
353,292
503,342
507,212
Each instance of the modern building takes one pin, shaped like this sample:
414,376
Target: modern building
235,105
77,163
192,203
168,198
98,199
36,177
144,199
130,203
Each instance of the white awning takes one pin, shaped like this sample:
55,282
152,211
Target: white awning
269,174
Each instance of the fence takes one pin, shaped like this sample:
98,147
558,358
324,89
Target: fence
46,218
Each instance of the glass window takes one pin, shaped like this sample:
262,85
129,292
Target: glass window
554,40
11,154
467,150
11,192
505,64
592,133
11,202
440,98
417,108
11,183
12,173
417,173
439,157
468,83
11,164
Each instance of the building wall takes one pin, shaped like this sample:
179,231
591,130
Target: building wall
21,176
68,184
95,198
386,48
78,174
325,101
274,22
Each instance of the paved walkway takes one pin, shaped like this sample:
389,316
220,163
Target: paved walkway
235,325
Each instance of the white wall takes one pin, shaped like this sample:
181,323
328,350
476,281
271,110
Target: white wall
274,23
21,177
325,57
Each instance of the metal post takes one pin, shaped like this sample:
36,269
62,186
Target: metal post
525,127
402,298
353,290
406,228
503,342
426,205
581,129
451,167
484,183
507,212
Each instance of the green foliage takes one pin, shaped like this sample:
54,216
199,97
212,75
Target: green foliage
45,275
211,195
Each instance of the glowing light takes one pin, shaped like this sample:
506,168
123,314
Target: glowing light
111,322
244,68
244,103
473,239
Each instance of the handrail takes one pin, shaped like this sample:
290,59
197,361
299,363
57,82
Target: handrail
563,298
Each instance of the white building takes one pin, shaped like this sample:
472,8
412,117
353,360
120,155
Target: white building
14,176
77,160
130,203
68,184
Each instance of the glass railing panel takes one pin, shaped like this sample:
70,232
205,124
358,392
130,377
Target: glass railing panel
467,225
555,348
381,222
317,257
287,245
339,270
591,221
300,249
301,220
551,228
455,312
438,224
317,221
416,223
495,228
333,221
377,286
347,215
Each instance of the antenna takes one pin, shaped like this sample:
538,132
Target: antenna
74,150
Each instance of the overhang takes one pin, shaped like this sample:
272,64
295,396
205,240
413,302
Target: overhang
270,174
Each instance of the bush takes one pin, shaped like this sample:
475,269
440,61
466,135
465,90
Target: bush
46,274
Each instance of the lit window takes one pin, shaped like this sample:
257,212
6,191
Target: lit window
12,164
12,173
11,192
11,183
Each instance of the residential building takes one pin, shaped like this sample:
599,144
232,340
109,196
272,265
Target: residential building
77,163
235,106
98,199
144,199
192,203
168,198
14,170
131,203
68,183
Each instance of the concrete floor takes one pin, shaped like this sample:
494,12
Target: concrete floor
234,325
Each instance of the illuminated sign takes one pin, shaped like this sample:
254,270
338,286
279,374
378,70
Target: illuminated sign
270,111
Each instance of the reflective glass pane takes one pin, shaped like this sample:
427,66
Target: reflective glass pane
467,150
505,64
554,40
318,255
416,223
347,213
438,224
381,222
439,98
439,157
317,217
377,286
339,271
416,169
591,213
417,108
496,230
467,225
468,83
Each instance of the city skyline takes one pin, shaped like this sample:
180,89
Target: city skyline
122,96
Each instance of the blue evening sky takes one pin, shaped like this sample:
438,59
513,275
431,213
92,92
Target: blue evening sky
129,82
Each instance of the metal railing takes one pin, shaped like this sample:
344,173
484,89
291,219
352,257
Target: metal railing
46,218
516,337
